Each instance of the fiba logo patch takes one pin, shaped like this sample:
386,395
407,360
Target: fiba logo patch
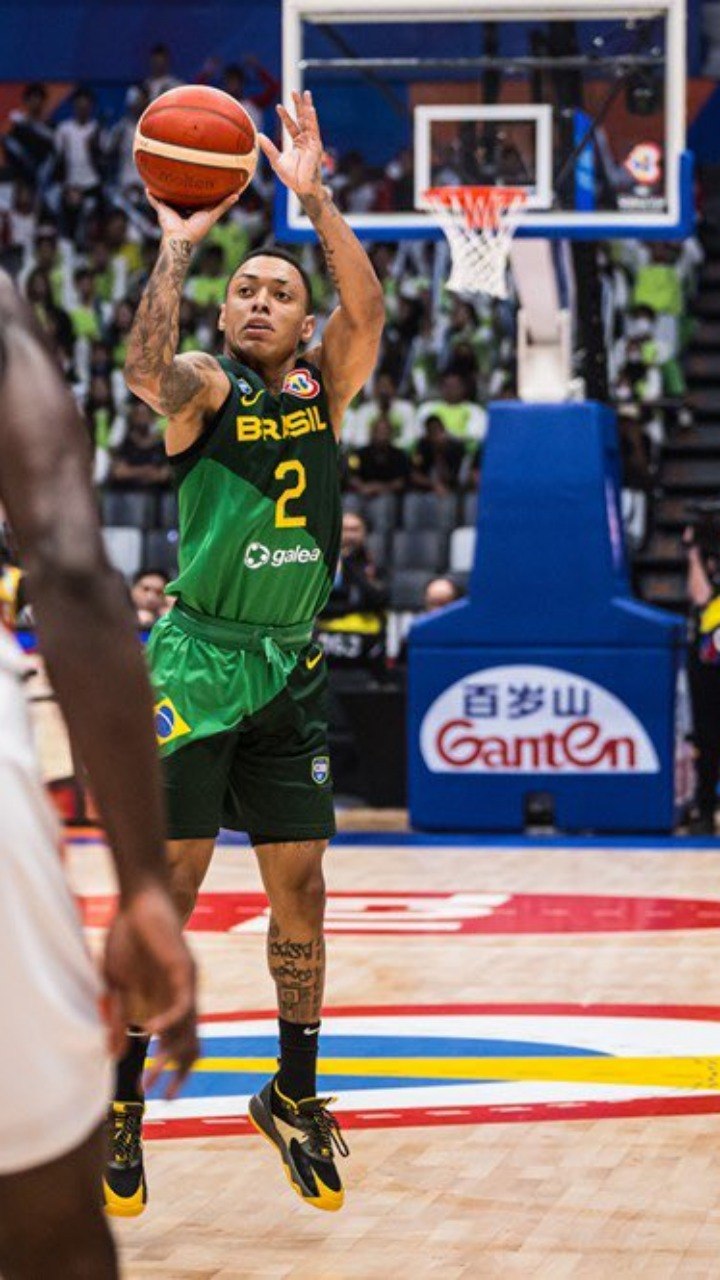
256,555
320,770
169,724
244,386
299,383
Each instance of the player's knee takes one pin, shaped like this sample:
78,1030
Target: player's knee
303,901
187,869
184,889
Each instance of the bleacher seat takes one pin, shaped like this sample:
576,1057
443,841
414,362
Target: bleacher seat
429,511
128,507
160,550
462,549
377,545
168,510
470,507
419,549
352,503
407,589
381,512
124,548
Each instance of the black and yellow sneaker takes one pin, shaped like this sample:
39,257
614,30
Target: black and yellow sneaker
305,1134
124,1186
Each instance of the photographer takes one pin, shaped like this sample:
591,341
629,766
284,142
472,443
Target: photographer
702,542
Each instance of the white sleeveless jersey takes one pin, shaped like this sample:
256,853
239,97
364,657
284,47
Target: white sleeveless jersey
54,1070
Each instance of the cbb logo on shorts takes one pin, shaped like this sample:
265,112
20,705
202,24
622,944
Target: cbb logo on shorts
320,770
299,383
169,724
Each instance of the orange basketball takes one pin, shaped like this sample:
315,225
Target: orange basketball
194,146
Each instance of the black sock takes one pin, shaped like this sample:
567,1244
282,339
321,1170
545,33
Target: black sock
298,1059
129,1069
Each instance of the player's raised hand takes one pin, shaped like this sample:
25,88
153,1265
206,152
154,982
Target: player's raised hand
299,165
151,980
192,228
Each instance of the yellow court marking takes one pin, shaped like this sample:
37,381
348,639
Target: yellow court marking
702,1073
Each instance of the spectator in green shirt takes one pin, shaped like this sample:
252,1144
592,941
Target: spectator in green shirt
85,312
461,417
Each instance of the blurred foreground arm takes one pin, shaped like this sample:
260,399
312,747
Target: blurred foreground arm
88,639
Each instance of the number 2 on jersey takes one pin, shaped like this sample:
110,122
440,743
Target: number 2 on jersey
297,471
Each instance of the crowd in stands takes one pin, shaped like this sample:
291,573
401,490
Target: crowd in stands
78,234
647,292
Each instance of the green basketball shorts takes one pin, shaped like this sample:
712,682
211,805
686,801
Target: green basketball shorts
241,725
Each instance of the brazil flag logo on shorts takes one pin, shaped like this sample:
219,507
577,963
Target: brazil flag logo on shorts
169,724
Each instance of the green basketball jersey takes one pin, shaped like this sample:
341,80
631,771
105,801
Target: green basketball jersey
259,503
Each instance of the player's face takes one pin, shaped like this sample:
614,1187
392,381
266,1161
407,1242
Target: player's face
264,316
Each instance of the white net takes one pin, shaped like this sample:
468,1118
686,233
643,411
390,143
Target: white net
479,223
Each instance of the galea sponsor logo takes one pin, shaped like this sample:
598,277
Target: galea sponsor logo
522,719
299,383
257,555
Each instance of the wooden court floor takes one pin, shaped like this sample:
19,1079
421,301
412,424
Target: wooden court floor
561,982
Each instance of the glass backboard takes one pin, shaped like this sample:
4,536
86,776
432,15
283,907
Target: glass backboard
582,104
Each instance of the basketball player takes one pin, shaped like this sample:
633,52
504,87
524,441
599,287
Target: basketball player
54,1069
240,686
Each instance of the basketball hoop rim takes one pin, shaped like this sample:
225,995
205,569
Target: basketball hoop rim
478,205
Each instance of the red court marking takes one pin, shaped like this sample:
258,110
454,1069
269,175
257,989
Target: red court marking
394,1116
688,1013
227,1126
452,914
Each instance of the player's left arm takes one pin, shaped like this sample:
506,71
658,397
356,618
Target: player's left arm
349,348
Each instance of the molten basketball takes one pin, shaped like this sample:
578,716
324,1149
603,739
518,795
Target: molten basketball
194,146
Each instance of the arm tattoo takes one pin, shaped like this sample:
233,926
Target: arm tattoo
156,329
298,970
314,206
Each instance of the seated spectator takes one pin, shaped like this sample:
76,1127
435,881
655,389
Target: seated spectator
440,592
105,425
161,77
18,227
148,595
385,403
658,284
119,330
207,286
119,145
121,242
379,467
30,142
50,317
645,379
85,313
109,272
634,449
437,459
47,256
460,416
351,628
352,185
77,142
234,83
140,462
